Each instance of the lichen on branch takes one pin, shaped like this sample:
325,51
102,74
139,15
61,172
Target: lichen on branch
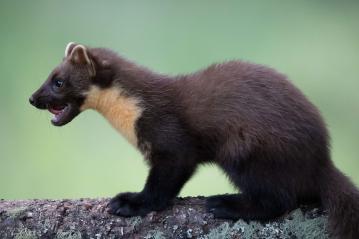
187,218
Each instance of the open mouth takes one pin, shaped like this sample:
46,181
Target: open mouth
58,111
63,113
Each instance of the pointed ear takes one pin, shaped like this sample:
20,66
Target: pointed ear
70,46
79,55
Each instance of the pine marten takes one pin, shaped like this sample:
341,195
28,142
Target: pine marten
246,118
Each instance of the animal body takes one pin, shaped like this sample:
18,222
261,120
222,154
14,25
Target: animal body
248,119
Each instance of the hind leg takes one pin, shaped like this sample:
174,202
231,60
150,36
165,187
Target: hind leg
266,193
242,206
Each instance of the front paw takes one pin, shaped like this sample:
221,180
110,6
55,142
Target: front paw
128,205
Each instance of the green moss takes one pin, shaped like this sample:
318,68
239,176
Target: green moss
68,235
298,226
134,221
154,234
302,227
240,227
247,230
25,233
15,212
219,232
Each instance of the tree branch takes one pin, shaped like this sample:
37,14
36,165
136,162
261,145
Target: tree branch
87,218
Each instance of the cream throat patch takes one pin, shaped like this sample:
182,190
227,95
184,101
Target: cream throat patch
121,110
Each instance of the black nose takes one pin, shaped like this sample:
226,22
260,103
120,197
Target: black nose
31,100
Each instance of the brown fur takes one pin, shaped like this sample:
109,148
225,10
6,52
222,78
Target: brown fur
248,119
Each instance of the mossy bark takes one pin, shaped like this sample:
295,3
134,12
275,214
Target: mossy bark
87,218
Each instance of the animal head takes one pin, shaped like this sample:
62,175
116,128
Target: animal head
63,93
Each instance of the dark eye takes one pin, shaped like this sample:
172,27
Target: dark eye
58,83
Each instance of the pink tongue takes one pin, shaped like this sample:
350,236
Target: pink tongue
56,109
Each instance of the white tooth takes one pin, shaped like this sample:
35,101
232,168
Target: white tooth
56,117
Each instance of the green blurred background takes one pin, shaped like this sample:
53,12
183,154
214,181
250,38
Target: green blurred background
316,43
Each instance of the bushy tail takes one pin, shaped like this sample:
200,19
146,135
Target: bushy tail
340,197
